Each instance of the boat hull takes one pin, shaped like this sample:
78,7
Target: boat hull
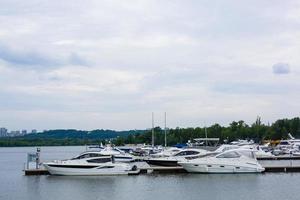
94,171
166,163
204,168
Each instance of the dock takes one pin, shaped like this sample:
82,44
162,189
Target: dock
284,157
32,172
170,170
285,163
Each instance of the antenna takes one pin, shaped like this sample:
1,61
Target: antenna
152,129
165,129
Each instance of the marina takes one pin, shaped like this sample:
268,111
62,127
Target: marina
283,163
173,182
172,170
149,100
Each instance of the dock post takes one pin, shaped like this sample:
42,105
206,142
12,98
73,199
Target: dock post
37,158
28,160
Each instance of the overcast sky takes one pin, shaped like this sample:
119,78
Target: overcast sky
110,63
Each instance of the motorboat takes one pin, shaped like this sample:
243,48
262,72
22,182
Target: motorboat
119,155
259,152
173,160
147,150
289,146
167,152
242,142
88,163
231,161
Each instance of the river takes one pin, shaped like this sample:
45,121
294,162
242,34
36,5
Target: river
14,185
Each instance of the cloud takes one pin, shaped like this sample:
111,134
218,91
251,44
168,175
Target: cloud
26,58
108,64
75,59
281,68
31,59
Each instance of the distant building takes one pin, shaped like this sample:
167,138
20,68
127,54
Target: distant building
3,132
34,131
15,133
24,132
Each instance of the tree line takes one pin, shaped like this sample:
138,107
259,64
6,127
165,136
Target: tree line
257,131
236,130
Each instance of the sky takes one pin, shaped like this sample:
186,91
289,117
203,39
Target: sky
111,63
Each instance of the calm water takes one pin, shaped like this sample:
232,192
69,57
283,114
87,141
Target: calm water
14,185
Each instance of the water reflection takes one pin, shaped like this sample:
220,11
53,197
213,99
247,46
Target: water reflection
33,186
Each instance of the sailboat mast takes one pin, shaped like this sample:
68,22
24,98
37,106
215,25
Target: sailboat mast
205,136
165,129
152,129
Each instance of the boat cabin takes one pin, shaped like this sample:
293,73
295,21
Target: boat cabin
98,157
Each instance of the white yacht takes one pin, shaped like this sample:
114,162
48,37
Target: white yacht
259,152
242,142
288,146
88,163
119,155
231,161
173,160
170,151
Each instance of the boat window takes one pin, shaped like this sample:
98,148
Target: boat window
231,154
186,153
284,143
180,154
91,155
99,160
88,155
192,152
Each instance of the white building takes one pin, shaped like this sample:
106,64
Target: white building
24,132
3,132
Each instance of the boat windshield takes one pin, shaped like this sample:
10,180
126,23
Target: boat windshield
249,154
186,153
87,155
284,143
231,154
100,160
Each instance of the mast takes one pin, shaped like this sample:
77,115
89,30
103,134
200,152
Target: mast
152,129
165,129
205,136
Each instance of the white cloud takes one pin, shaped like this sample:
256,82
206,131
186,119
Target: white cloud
115,62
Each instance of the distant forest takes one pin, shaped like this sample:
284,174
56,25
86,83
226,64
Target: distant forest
236,130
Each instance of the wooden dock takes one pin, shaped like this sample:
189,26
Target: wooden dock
280,158
271,164
175,170
282,169
32,172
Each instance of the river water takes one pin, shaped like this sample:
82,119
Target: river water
14,185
